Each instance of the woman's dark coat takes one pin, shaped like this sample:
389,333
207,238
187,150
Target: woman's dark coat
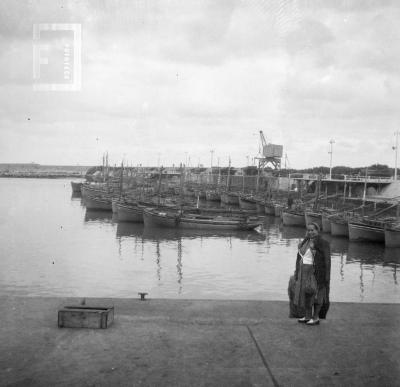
322,267
322,261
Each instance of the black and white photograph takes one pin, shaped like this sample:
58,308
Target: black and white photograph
199,193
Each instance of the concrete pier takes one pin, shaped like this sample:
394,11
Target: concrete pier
199,343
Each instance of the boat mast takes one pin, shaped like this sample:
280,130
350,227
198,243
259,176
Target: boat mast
317,191
159,185
181,182
121,182
228,180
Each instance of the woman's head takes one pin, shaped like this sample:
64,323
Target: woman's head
312,230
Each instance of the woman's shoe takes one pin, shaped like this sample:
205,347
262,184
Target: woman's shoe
312,322
303,320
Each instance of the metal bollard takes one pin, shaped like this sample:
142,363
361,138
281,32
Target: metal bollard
142,296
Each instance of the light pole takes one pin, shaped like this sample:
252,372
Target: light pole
395,157
330,163
212,155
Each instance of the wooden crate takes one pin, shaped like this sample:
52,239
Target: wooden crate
85,317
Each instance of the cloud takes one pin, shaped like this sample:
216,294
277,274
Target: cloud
192,76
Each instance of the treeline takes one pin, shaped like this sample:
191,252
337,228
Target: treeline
372,170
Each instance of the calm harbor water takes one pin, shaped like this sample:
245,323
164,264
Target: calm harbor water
50,245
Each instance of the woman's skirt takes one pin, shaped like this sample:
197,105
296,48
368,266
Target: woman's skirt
302,289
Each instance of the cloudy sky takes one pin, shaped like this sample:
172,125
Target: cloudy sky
172,80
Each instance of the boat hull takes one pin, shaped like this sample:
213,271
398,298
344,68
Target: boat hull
187,221
392,237
128,213
365,232
246,204
152,218
313,217
293,219
326,224
269,209
92,203
214,224
339,228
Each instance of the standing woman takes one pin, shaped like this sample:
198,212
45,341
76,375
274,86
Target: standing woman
313,271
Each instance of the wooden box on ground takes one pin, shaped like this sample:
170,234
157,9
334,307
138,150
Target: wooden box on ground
85,317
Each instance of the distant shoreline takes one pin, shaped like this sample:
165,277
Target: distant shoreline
42,175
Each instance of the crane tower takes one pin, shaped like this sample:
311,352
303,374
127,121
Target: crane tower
271,154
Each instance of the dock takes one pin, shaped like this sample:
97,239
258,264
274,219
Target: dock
199,343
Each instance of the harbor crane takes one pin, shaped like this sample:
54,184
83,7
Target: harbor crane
271,154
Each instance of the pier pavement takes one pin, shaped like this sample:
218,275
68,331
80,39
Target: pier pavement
199,343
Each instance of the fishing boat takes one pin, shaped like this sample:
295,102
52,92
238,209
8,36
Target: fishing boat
247,202
98,203
392,234
293,218
155,217
76,186
129,212
313,217
364,229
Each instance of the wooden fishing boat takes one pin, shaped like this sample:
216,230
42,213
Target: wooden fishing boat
364,229
293,218
213,196
247,203
76,186
98,203
313,217
392,234
229,198
129,212
230,212
154,217
218,222
92,190
160,218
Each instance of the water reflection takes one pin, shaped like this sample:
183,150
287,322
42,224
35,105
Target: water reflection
367,254
179,266
288,232
98,216
126,229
